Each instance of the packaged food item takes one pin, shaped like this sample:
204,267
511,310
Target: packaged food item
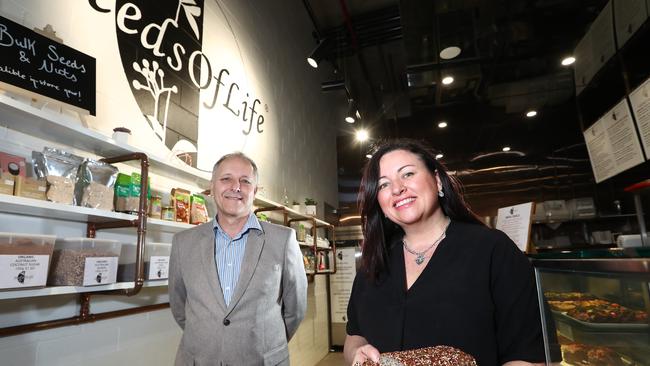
181,203
94,187
12,164
167,213
84,262
7,182
155,207
127,193
199,213
30,188
59,168
25,259
123,200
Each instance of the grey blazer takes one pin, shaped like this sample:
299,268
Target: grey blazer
267,306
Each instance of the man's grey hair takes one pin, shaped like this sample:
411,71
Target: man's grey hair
239,155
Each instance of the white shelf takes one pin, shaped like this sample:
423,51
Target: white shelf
63,290
263,202
63,129
169,226
305,245
60,211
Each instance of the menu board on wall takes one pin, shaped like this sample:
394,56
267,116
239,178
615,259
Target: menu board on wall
612,143
640,100
38,66
629,16
595,48
515,222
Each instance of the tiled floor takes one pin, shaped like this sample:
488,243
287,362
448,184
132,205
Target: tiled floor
332,359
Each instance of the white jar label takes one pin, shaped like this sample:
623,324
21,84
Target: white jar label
23,270
100,271
158,268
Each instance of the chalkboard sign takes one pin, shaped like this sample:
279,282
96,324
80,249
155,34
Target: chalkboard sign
37,64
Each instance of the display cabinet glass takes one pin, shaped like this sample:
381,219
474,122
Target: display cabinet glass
595,306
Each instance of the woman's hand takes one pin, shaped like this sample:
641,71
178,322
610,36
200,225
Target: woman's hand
357,350
363,353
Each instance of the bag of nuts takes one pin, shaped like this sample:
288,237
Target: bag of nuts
60,170
95,181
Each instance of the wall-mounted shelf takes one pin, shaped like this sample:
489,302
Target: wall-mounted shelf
290,216
60,211
63,290
305,245
51,126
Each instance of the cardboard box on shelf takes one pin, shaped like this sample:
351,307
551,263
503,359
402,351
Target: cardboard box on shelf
7,183
30,188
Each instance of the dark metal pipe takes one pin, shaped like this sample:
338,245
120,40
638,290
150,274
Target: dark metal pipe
77,320
141,222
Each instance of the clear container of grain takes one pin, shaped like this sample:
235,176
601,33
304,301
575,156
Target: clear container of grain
24,259
156,262
84,262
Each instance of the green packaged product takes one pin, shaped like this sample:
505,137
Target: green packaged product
198,211
127,192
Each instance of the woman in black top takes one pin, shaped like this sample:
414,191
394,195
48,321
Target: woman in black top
432,273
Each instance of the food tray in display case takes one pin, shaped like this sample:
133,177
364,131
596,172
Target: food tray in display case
576,354
613,327
601,333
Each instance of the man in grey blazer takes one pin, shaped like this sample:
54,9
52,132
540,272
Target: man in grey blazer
237,286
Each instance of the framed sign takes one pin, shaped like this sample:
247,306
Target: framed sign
515,222
35,65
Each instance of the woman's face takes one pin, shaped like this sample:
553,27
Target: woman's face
407,191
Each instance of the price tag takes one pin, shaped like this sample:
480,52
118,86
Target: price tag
23,270
158,268
100,271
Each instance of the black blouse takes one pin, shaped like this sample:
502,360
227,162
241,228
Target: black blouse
477,293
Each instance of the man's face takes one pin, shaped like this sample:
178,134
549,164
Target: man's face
233,187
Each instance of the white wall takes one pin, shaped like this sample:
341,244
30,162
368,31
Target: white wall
296,152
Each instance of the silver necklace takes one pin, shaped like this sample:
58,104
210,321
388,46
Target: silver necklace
419,256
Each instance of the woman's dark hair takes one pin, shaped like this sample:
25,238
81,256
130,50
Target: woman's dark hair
378,231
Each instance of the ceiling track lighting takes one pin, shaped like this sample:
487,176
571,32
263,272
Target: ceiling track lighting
319,52
333,85
353,111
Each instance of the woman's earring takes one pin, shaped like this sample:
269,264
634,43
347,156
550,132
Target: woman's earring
441,193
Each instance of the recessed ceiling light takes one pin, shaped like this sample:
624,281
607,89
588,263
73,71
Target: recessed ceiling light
506,148
531,113
349,119
442,124
368,156
362,135
447,80
568,61
449,53
439,156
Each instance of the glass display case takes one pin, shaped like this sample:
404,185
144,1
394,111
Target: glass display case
595,306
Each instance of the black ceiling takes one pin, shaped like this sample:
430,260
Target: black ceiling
387,53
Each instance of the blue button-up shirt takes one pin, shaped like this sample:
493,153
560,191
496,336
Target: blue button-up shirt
229,253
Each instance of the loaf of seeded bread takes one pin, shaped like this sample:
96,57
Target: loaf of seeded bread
429,356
